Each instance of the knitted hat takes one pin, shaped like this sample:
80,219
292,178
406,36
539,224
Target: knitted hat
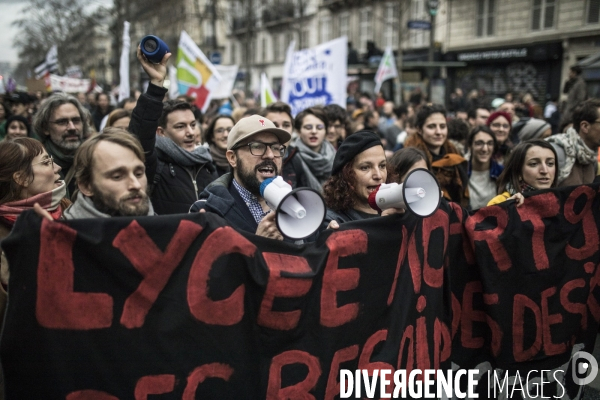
352,146
20,119
497,114
533,129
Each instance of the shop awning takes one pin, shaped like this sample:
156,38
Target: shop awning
590,62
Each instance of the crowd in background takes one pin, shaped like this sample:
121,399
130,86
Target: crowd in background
87,156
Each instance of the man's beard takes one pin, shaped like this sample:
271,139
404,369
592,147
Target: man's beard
65,144
248,177
115,208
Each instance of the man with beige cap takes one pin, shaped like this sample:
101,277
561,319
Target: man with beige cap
255,147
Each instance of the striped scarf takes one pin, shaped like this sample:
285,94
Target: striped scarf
50,201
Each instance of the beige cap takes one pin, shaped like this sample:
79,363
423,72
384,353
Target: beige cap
252,125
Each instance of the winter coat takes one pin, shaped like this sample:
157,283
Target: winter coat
173,188
222,198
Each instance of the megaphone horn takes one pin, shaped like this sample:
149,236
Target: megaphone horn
420,193
300,212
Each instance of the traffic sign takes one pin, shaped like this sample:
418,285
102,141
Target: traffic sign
424,25
215,57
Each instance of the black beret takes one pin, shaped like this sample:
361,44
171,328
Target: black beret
353,145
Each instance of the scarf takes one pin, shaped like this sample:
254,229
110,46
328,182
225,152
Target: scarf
218,156
525,187
180,156
83,207
64,160
317,166
447,168
575,151
50,201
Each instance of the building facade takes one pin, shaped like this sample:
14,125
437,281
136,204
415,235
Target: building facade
490,46
519,46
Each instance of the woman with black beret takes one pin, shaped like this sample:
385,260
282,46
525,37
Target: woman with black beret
359,167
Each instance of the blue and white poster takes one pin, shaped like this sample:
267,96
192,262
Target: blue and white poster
316,76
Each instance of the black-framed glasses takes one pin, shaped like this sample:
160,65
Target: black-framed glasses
65,121
223,130
259,148
46,161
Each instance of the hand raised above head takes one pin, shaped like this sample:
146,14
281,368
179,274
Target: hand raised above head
156,72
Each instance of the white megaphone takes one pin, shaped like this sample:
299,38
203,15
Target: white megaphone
300,211
420,193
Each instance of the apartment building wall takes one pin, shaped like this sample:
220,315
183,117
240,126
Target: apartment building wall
529,48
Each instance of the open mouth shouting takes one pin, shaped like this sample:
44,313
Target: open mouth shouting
371,189
266,169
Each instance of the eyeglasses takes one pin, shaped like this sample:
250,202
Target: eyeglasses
222,130
46,161
481,143
499,125
259,149
65,121
319,127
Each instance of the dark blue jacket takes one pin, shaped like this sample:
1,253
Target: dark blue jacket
222,198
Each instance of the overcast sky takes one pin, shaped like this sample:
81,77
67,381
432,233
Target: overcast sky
9,12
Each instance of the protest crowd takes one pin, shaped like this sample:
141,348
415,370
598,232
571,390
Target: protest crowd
72,156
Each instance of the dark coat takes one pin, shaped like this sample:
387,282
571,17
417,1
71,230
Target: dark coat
174,188
292,171
222,198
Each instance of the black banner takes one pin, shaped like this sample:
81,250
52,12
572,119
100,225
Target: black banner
187,307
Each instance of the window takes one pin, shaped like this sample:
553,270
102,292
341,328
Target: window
419,12
366,32
542,14
263,49
289,37
390,31
276,47
485,18
305,39
325,29
344,24
233,55
593,12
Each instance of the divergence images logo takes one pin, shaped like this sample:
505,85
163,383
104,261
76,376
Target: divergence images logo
585,368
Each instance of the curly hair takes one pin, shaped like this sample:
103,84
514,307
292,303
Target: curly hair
338,191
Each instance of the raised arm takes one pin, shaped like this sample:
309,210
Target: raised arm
145,115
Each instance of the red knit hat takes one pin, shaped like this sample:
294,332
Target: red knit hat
497,114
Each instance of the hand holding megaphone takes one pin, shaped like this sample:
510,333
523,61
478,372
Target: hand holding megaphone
420,193
300,212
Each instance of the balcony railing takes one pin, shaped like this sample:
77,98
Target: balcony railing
278,13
